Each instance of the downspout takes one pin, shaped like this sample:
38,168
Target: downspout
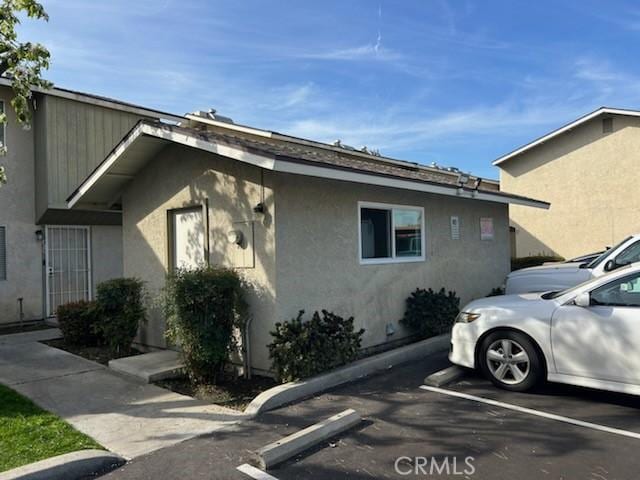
246,347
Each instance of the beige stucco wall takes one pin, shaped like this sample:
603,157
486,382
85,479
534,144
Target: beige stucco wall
180,177
590,178
17,206
318,264
106,253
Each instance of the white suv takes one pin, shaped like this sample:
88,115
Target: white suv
559,276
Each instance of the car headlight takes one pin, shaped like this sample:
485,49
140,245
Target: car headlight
467,317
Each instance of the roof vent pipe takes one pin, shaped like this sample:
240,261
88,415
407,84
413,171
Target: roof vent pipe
212,115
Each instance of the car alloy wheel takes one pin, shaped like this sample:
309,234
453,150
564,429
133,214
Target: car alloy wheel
508,361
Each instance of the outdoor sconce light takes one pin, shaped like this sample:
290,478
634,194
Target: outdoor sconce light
236,237
260,208
39,235
463,179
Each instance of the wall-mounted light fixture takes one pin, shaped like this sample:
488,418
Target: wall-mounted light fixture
463,179
39,235
236,237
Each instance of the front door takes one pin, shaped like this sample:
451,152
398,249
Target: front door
188,243
67,264
602,340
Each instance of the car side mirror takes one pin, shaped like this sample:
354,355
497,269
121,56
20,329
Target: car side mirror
583,300
610,265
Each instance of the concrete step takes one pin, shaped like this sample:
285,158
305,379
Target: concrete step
151,367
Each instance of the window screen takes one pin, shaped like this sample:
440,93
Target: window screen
3,253
407,226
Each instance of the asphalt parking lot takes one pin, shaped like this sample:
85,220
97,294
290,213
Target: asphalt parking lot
555,432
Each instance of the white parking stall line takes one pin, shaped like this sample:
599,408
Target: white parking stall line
530,411
254,472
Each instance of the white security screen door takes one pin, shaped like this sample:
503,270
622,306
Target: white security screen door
188,247
68,269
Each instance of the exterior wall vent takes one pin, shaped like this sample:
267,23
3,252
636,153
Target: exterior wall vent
607,125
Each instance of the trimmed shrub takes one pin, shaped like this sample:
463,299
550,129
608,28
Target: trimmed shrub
120,302
77,322
429,313
533,261
495,291
302,349
203,306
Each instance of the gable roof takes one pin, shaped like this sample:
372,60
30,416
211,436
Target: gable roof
566,128
234,128
100,101
147,138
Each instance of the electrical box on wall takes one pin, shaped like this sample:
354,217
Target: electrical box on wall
242,252
455,228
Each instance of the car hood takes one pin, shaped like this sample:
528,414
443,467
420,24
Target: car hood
514,307
521,300
556,268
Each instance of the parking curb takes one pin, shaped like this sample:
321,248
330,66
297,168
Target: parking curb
445,377
70,466
294,391
282,450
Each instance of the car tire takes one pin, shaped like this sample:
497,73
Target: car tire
511,361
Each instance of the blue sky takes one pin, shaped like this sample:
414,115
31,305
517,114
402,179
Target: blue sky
456,82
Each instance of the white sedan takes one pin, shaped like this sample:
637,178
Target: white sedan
588,335
558,276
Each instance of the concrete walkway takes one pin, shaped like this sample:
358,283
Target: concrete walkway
124,415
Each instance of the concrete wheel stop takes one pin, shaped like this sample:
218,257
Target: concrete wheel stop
277,452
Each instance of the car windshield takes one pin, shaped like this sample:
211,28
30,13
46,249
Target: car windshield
597,261
559,293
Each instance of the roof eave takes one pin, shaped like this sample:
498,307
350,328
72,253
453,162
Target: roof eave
101,102
285,165
559,131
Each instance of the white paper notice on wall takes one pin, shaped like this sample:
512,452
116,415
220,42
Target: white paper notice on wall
486,228
455,228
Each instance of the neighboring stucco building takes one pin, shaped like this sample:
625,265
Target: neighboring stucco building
49,254
588,171
310,225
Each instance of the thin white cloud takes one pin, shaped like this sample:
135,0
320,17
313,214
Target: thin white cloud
297,96
368,52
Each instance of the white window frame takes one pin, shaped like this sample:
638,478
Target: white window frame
393,259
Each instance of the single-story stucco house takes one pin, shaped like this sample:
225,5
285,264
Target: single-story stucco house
588,171
310,225
50,254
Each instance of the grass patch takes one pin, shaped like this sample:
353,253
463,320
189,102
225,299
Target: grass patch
234,393
29,434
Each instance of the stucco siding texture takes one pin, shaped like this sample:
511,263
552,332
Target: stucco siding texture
180,177
106,253
17,206
591,180
318,263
